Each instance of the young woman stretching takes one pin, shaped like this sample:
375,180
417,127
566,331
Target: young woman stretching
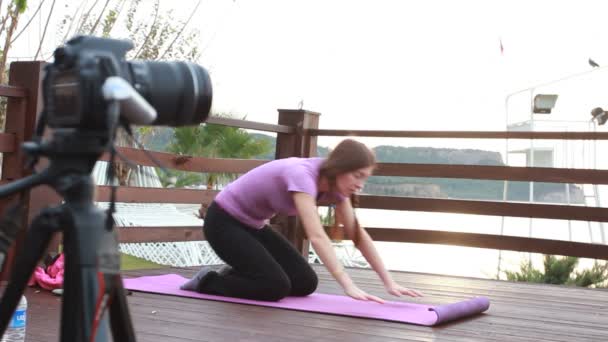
262,264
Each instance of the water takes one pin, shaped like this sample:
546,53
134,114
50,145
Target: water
15,332
468,261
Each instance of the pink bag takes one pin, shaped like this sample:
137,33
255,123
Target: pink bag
50,279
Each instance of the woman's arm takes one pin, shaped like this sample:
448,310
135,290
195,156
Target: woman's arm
346,216
307,211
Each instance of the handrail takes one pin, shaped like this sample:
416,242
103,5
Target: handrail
504,242
132,194
159,234
187,163
258,126
490,241
511,173
461,134
492,208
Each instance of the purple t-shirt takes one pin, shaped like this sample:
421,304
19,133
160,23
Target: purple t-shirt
265,191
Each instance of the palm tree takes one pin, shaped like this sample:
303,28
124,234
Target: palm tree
216,141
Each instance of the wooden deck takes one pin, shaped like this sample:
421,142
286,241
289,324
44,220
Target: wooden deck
518,312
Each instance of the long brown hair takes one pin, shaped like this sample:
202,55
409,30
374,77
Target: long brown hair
350,155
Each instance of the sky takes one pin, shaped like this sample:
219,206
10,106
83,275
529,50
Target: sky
409,65
399,65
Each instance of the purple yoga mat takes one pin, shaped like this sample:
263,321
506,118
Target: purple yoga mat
323,303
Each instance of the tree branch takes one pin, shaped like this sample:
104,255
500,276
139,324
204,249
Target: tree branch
65,36
48,19
84,18
28,22
181,31
119,8
141,47
99,17
14,15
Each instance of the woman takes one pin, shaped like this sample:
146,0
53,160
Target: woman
262,264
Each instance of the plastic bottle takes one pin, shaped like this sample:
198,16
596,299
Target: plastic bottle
15,332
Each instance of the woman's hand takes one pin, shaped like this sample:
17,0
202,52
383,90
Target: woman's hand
398,290
358,294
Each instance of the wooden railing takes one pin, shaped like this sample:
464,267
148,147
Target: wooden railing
297,132
23,104
406,234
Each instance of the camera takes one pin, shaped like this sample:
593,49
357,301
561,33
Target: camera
179,93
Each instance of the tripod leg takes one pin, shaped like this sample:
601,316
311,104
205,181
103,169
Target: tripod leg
38,236
93,302
120,319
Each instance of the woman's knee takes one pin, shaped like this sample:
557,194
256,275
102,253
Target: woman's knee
277,289
305,285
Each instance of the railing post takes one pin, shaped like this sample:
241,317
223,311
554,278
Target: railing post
295,145
21,115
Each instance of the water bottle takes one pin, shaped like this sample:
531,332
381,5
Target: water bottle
15,332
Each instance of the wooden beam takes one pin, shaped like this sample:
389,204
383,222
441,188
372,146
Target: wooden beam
159,234
461,134
258,126
13,91
155,195
489,241
187,163
512,173
550,211
503,242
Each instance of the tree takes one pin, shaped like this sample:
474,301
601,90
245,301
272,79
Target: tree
8,25
216,141
562,271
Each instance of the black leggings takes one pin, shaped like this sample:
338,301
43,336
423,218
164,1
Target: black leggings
265,266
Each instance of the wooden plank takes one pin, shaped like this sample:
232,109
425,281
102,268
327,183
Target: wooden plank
537,174
187,163
461,134
7,142
258,126
155,195
512,173
159,234
13,91
20,121
550,211
504,242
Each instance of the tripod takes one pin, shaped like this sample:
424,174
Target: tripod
93,301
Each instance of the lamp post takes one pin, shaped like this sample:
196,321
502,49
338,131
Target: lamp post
539,104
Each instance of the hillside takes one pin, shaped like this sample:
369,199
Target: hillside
447,187
432,187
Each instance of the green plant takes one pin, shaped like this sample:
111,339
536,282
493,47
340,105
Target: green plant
561,270
216,141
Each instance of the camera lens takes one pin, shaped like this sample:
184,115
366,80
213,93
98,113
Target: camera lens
180,92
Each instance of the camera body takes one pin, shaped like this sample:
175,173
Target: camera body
180,92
